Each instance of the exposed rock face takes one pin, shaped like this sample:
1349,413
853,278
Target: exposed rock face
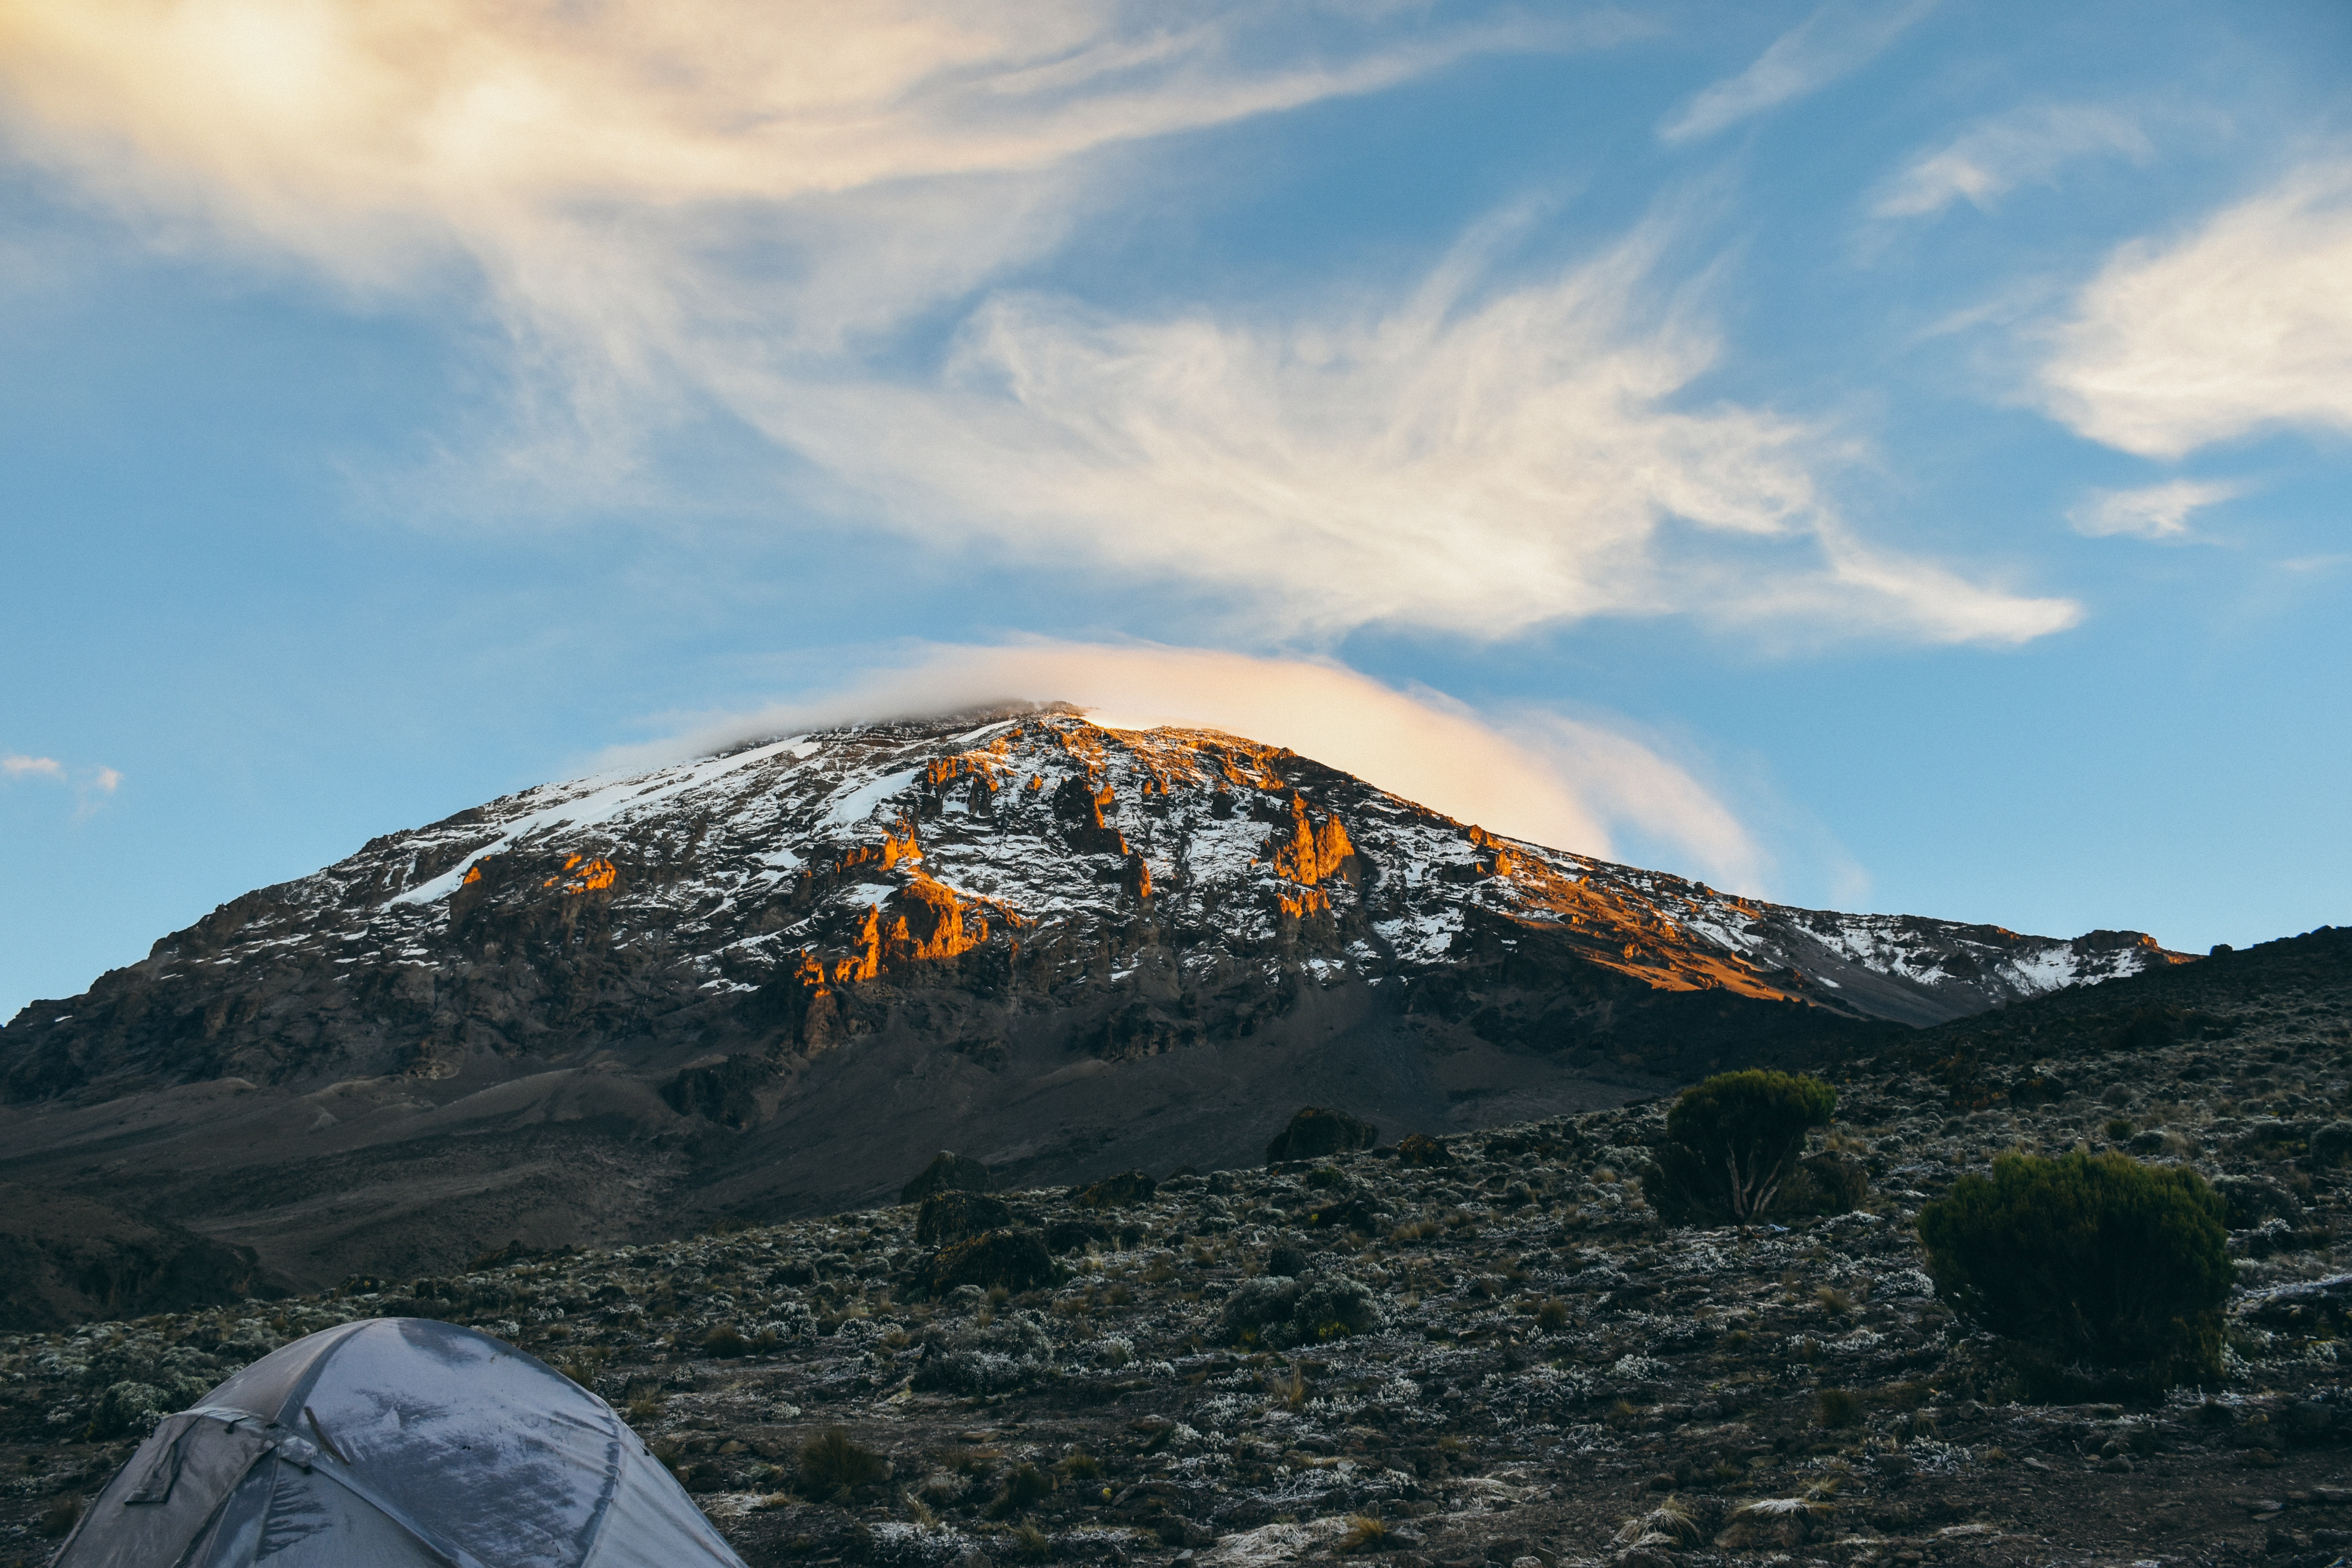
65,1259
773,982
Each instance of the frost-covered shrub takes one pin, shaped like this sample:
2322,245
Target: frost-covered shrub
1004,1353
2331,1145
2248,1201
1279,1312
1732,1142
129,1409
2094,1262
793,1321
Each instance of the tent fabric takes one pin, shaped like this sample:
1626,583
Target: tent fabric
396,1441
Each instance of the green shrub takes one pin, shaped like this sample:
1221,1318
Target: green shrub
2107,1275
1731,1142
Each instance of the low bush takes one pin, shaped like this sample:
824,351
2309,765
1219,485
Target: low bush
1024,1487
1004,1353
1278,1311
2107,1275
1823,1184
1731,1142
831,1462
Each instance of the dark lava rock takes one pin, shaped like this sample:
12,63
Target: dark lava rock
1069,1235
65,1259
1016,1260
953,1215
950,1173
1122,1191
1314,1133
1419,1148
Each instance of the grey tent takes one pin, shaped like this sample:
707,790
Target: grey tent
399,1442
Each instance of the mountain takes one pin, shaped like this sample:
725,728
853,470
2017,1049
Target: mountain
773,982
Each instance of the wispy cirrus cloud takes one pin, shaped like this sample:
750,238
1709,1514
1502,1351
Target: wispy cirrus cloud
1834,41
2151,511
1569,780
731,207
575,154
1476,459
1996,155
16,766
2243,325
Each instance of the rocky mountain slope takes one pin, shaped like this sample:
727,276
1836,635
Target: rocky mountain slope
766,982
1480,1349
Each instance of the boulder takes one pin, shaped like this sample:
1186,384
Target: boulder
1015,1259
1128,1187
1420,1149
950,1173
952,1216
1316,1133
1069,1235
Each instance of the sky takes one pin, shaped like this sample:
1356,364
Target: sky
1879,456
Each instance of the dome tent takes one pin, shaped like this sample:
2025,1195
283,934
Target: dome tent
399,1442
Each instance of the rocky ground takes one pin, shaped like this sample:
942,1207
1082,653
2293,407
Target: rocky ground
1485,1351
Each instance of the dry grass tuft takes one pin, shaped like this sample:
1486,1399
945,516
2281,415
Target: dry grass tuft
1668,1525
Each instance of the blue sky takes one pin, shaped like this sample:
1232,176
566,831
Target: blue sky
1892,456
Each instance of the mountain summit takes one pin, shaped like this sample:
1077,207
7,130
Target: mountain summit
776,980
